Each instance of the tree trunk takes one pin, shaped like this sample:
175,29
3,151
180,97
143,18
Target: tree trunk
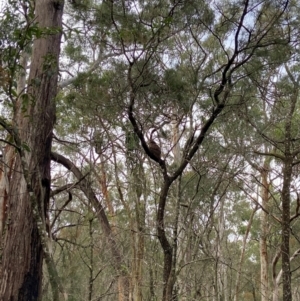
5,174
23,246
119,261
285,194
242,256
166,246
138,236
264,280
9,153
285,234
220,270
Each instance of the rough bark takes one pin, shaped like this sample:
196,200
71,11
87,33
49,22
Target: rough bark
9,153
23,249
5,174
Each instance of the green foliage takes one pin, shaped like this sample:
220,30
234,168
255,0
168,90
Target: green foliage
176,84
74,52
131,141
164,61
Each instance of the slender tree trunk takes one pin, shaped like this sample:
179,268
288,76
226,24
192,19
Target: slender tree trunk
91,263
275,294
264,280
285,195
119,261
137,194
220,271
123,281
138,252
285,246
23,253
177,200
276,279
166,246
238,277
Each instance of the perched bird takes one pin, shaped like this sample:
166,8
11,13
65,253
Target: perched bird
154,148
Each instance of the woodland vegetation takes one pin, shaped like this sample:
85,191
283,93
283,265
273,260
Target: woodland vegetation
150,150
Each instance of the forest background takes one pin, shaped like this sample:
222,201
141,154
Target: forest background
150,150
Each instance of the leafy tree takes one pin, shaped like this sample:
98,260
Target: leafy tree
30,127
210,85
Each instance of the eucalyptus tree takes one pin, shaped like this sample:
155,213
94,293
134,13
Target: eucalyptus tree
273,141
172,71
29,126
173,68
212,75
280,134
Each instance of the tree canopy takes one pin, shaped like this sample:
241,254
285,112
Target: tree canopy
150,150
